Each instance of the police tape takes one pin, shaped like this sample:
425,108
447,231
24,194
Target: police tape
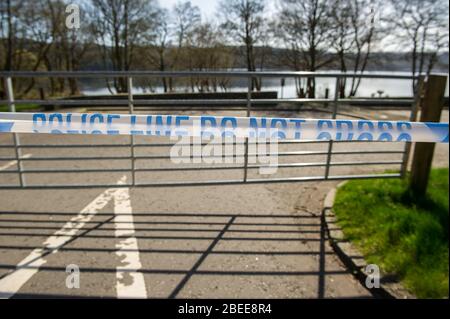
225,126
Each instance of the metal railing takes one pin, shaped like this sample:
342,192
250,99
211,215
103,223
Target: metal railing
20,163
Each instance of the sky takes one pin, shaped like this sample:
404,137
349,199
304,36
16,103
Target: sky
207,7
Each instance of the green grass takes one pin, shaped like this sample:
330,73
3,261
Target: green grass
20,107
404,235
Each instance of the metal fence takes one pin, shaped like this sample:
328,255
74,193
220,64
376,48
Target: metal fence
20,169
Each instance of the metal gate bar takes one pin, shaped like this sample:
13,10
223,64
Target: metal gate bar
250,105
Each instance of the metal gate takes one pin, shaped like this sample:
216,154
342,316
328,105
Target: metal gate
53,161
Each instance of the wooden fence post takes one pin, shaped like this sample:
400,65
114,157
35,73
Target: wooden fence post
423,152
413,118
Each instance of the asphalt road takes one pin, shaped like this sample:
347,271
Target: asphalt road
235,241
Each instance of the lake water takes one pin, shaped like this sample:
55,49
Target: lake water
367,88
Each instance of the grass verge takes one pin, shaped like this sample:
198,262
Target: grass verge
404,235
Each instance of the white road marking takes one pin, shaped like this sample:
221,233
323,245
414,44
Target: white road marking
10,284
130,282
12,163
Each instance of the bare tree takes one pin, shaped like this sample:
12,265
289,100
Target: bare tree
7,14
186,17
39,33
55,46
439,43
343,38
8,32
75,44
120,26
305,26
160,44
354,24
205,51
423,26
244,20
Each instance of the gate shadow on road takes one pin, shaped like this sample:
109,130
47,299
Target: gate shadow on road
248,232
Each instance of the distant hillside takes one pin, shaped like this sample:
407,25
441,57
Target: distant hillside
273,59
379,61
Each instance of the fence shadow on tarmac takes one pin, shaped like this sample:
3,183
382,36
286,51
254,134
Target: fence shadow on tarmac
232,227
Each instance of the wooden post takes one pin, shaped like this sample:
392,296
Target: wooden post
412,118
423,152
